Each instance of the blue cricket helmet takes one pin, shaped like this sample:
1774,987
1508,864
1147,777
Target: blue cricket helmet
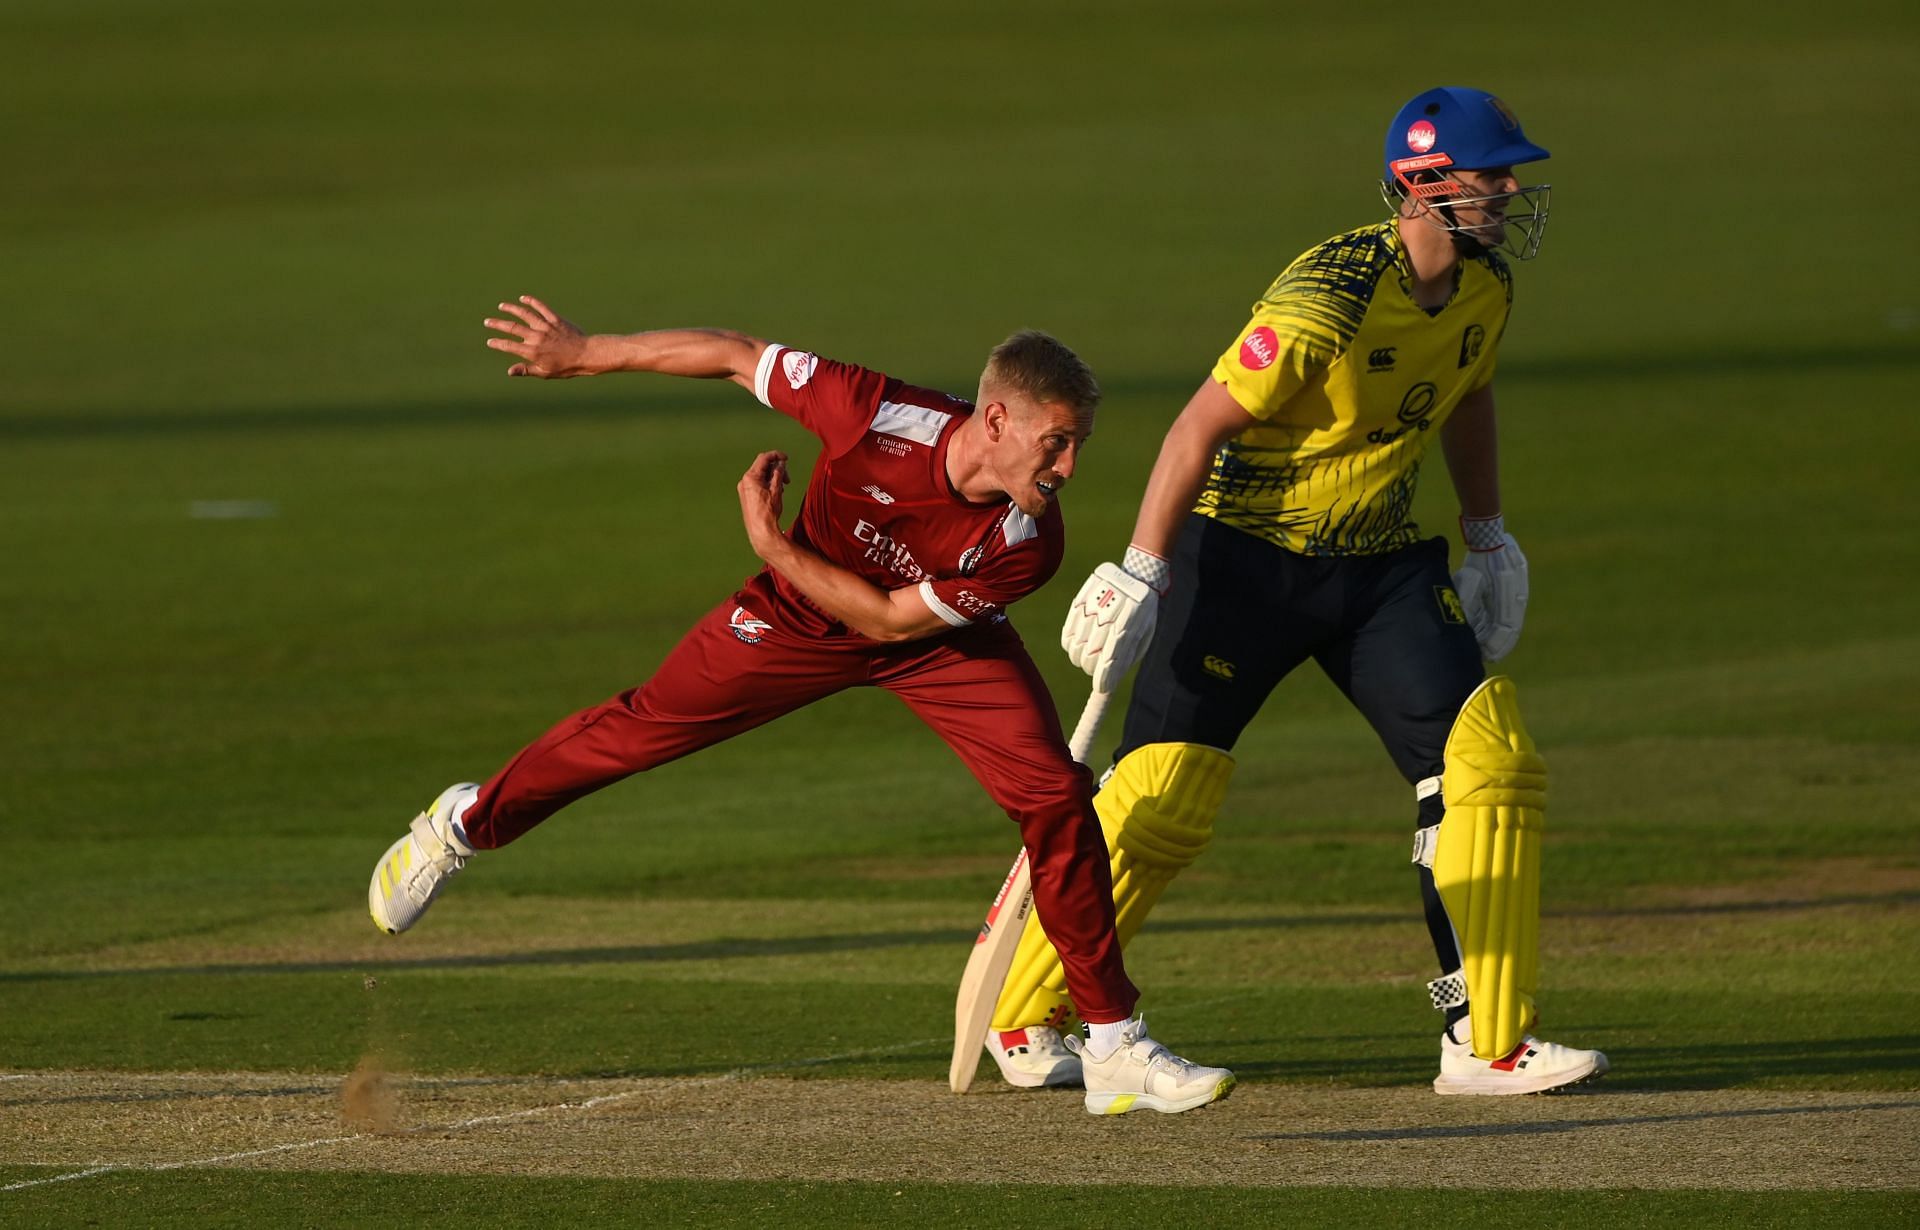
1453,129
1470,129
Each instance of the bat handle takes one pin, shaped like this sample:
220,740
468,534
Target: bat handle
1081,745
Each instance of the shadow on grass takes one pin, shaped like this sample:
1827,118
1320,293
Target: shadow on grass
704,950
810,945
1721,1065
1400,917
620,404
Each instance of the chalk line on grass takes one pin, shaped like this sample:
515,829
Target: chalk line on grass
461,1126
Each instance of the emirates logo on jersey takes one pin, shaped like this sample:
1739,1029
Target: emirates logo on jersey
1421,136
887,551
798,366
1259,349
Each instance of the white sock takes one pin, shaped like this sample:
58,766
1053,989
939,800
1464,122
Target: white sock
457,813
1103,1038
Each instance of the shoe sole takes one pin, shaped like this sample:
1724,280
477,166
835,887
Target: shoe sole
1504,1086
1122,1103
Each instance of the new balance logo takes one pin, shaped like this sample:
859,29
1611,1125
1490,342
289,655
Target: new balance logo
874,491
1381,360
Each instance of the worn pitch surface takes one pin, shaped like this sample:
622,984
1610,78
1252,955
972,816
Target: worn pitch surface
744,1126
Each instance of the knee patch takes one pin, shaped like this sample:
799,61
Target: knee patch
1157,809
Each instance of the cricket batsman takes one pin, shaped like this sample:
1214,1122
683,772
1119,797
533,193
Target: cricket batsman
926,517
1276,527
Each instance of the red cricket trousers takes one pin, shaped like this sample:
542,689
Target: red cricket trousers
976,687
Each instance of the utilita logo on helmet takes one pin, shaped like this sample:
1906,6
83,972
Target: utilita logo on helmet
1450,130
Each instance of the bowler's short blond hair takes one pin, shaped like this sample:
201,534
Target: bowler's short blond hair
1042,367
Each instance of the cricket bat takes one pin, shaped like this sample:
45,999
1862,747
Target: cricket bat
999,936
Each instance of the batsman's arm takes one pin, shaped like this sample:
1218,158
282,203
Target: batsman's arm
551,347
1470,442
888,615
1210,419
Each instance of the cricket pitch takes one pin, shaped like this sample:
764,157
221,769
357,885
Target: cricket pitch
746,1126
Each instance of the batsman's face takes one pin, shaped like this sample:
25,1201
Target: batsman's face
1481,208
1038,450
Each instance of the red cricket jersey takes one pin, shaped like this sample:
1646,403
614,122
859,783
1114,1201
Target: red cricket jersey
879,503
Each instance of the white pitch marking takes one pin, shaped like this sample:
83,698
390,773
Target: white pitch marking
480,1121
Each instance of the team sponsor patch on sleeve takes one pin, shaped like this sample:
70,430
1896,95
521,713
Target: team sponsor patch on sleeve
951,617
1259,349
798,366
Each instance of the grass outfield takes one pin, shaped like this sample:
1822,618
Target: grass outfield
217,1200
286,554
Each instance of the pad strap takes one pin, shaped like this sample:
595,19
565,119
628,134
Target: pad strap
1448,990
1425,842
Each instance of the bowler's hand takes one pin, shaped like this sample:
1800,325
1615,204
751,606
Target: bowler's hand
761,505
549,345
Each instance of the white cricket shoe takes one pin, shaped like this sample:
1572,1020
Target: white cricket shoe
1034,1057
1141,1074
1532,1067
414,869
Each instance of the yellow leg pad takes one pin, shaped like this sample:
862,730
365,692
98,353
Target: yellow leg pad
1157,810
1486,863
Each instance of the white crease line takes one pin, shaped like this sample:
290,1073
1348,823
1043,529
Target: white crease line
481,1121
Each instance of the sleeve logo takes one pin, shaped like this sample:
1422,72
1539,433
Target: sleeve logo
798,365
1259,349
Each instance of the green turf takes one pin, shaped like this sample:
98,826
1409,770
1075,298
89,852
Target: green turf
229,1200
248,251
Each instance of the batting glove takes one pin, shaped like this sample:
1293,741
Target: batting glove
1111,620
1492,585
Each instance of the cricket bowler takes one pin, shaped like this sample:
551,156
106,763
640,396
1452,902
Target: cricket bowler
926,517
1276,527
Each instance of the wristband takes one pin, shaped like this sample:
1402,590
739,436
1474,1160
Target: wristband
1484,533
1148,567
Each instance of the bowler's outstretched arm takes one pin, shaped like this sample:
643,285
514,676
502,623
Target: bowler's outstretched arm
552,347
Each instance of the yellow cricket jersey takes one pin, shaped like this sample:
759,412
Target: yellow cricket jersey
1350,379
